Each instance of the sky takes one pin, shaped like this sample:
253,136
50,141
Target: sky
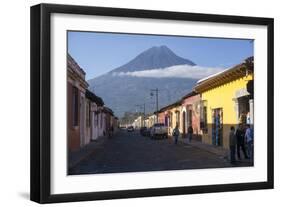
98,53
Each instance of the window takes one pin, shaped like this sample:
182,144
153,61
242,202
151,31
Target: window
75,105
203,117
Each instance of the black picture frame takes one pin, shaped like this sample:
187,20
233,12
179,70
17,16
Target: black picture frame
40,102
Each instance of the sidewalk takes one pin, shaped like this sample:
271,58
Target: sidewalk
221,152
75,157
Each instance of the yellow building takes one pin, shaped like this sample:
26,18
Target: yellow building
226,100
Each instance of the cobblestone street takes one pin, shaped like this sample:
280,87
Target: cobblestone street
131,152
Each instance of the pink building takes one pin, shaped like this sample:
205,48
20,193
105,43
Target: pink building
190,113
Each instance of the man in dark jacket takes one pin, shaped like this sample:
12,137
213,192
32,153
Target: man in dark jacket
240,135
232,144
176,133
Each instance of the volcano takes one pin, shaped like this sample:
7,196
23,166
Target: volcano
155,57
123,93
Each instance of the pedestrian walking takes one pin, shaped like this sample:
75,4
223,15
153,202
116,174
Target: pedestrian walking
189,133
176,133
108,132
232,144
249,138
240,135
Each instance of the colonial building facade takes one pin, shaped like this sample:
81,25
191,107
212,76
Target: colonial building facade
216,103
190,114
226,100
95,105
185,113
76,89
87,117
150,120
170,116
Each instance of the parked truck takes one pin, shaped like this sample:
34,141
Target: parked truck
159,130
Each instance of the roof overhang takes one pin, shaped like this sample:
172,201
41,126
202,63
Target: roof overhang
234,73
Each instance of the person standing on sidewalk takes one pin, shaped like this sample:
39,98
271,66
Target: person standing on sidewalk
176,133
232,144
249,136
240,135
189,133
112,130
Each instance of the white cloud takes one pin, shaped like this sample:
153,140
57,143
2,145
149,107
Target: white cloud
178,71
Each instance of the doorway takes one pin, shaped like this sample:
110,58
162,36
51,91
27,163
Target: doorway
217,127
244,109
82,121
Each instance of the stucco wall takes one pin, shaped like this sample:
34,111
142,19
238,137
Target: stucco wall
223,97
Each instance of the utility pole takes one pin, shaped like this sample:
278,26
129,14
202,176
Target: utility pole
144,114
156,96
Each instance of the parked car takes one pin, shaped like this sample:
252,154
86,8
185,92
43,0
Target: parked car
122,127
148,132
159,130
130,129
143,131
